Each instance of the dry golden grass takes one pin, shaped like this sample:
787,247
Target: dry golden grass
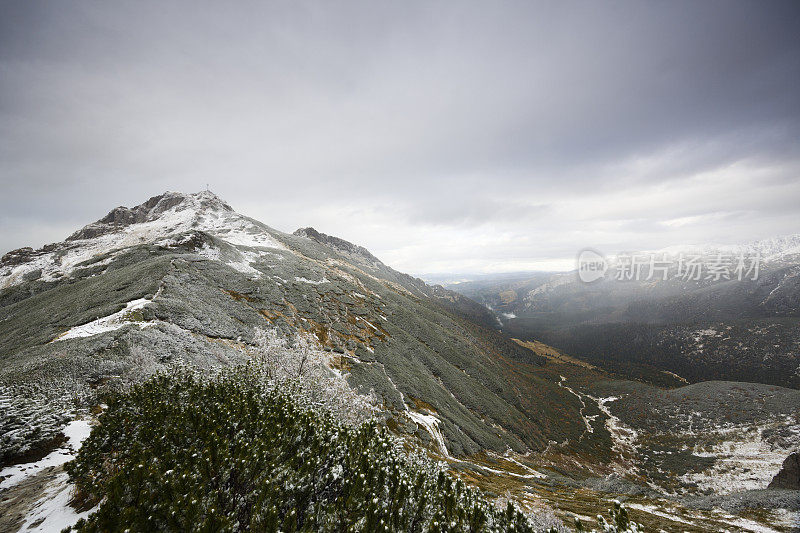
552,354
508,296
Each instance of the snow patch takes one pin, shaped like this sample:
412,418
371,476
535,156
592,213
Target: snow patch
744,460
587,420
244,267
300,279
76,432
431,424
657,511
749,525
624,437
108,323
52,513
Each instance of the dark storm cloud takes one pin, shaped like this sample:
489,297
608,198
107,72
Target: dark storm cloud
516,132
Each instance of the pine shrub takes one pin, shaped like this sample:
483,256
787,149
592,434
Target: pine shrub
230,453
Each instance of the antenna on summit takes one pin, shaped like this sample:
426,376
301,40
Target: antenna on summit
208,188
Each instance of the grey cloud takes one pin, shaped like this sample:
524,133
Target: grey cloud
472,210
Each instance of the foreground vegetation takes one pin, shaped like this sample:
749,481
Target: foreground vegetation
232,454
279,444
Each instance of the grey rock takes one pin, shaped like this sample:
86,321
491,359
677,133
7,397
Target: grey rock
789,475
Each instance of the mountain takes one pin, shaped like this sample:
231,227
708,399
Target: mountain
185,277
183,280
655,327
773,250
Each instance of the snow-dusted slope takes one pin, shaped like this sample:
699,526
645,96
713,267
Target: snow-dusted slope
159,220
184,277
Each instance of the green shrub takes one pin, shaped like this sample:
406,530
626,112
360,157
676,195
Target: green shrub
179,453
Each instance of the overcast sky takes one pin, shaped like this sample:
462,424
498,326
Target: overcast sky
443,136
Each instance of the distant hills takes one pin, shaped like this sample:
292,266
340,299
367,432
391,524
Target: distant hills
649,328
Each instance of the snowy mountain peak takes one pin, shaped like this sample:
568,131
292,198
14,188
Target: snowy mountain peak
163,220
771,249
163,206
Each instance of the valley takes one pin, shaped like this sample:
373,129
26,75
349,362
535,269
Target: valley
663,331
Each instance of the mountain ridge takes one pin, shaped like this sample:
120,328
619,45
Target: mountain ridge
203,273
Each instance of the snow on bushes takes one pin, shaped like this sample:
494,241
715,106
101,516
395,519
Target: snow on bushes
234,453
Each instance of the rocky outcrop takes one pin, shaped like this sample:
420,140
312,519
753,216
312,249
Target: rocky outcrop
789,475
340,245
17,257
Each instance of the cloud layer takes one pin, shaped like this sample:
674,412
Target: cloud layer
443,136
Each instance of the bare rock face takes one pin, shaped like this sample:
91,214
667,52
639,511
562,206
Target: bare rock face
789,475
16,257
